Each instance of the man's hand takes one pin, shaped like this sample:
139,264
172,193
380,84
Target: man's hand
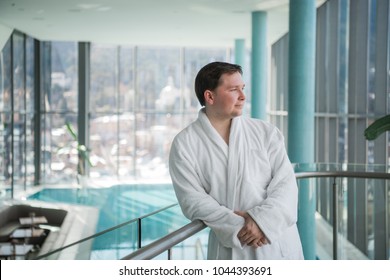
250,234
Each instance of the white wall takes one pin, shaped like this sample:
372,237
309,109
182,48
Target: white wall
5,32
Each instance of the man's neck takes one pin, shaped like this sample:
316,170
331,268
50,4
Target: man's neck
222,126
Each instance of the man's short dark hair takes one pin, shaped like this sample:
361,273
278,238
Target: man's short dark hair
208,77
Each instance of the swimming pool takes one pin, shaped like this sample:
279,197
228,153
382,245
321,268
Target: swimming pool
118,204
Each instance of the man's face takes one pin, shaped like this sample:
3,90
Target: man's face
229,97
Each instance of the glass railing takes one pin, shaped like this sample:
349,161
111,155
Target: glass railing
119,241
351,218
352,209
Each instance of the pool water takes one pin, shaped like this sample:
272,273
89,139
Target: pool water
119,204
116,204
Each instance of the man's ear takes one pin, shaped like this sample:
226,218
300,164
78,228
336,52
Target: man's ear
209,97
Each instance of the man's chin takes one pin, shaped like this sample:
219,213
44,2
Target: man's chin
237,113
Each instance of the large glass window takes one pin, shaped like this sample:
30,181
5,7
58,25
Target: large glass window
59,102
16,114
140,98
19,112
104,108
158,91
6,116
30,111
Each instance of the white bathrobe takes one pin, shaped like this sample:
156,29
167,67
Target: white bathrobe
253,173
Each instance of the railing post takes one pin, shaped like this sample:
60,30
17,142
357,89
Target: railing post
335,219
139,233
167,242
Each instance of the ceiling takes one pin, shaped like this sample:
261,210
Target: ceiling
202,23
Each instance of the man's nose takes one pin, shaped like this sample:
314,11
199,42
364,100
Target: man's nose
242,95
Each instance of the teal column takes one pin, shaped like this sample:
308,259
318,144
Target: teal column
301,77
259,65
239,52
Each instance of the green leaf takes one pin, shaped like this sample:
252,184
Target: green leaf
71,131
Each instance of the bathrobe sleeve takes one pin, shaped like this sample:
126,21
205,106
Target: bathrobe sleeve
196,203
278,211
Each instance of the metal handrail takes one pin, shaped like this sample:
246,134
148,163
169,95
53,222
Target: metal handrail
167,242
339,174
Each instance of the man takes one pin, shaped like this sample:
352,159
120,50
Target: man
233,173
